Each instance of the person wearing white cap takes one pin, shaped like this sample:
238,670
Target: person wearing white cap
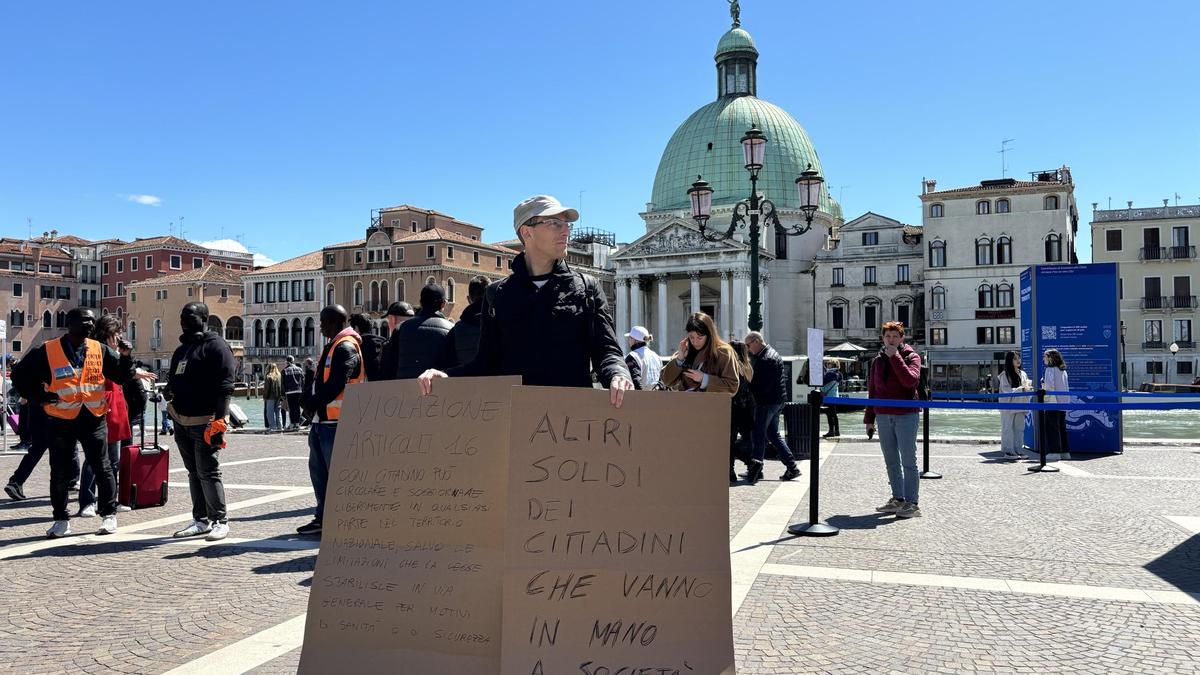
644,365
545,322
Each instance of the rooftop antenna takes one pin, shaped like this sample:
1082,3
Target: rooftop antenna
1110,203
29,223
841,188
581,205
1176,199
182,232
1003,152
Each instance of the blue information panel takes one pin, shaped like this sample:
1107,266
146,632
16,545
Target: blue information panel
1073,308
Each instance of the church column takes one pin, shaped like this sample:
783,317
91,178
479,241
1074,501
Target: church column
622,309
725,313
662,309
741,301
766,283
635,302
694,276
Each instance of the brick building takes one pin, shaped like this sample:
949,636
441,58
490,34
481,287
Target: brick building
152,257
37,288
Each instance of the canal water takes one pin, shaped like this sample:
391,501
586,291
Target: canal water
1177,424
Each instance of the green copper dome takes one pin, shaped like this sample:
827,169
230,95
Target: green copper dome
709,144
736,40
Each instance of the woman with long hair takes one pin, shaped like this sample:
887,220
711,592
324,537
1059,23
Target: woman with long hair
741,426
273,398
1012,422
703,361
1054,428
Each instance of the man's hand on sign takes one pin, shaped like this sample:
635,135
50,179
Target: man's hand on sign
426,380
617,389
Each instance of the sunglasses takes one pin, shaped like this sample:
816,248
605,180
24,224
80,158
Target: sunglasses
554,223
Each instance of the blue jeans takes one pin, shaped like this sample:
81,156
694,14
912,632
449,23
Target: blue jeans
320,457
87,479
766,427
898,440
271,410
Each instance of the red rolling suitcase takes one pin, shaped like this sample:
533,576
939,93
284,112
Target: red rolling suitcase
143,473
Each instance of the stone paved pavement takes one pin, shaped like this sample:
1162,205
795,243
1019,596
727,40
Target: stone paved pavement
141,603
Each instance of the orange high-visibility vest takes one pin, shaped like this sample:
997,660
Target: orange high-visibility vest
333,411
76,388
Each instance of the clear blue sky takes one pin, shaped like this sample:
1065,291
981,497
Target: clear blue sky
286,122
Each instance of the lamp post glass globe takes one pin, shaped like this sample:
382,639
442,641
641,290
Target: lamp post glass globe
754,149
701,195
1174,348
808,187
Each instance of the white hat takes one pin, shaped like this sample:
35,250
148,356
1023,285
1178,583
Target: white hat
639,333
541,205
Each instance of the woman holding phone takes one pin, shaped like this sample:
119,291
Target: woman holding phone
703,361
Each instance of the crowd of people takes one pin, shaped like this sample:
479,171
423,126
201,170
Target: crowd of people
78,401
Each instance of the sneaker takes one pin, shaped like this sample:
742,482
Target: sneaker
60,528
790,474
197,527
892,506
219,531
19,446
311,528
88,511
14,491
755,473
121,508
108,525
909,510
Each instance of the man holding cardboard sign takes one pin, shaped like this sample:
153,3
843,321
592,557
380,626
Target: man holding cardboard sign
544,303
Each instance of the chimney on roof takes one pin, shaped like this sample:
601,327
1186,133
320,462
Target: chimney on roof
929,185
53,234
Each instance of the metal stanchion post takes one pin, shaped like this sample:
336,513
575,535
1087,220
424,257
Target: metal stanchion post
814,527
925,472
1040,440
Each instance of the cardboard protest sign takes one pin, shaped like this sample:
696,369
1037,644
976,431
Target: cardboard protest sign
408,577
617,538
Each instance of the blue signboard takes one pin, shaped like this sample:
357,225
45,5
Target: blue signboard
1073,308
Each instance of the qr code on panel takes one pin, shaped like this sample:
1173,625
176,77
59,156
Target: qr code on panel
1049,332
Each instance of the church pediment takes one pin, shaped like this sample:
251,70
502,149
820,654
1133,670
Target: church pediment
675,238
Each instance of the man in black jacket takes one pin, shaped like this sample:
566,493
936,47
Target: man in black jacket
544,322
199,384
397,314
340,366
770,391
62,377
423,341
465,334
293,388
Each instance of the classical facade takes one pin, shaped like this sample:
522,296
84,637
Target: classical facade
282,311
151,257
871,273
153,306
37,288
672,270
405,249
978,239
1157,262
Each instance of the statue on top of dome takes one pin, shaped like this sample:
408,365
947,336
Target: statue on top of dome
735,11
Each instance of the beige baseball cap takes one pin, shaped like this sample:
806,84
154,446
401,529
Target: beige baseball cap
541,205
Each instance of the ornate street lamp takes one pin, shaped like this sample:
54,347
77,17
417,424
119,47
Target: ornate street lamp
1174,350
754,151
1124,365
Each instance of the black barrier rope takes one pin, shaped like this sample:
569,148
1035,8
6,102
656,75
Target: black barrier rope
1075,394
1041,467
814,527
949,405
925,472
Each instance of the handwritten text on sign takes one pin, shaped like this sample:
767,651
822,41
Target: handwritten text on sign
411,557
617,545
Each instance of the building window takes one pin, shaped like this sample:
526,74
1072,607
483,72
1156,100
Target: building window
870,315
283,291
296,291
358,257
1183,368
16,345
358,294
330,259
1053,248
133,296
1112,240
62,292
270,292
1050,203
258,292
449,253
104,291
985,335
120,289
149,262
838,316
46,292
429,252
983,207
133,263
983,251
16,317
839,276
449,290
902,274
224,292
399,254
986,296
309,290
1001,206
329,295
475,257
938,297
1154,368
1183,330
499,262
869,276
1154,332
936,210
189,293
1006,335
414,226
937,254
903,314
1004,295
47,320
197,263
1004,251
176,262
870,238
18,290
120,265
